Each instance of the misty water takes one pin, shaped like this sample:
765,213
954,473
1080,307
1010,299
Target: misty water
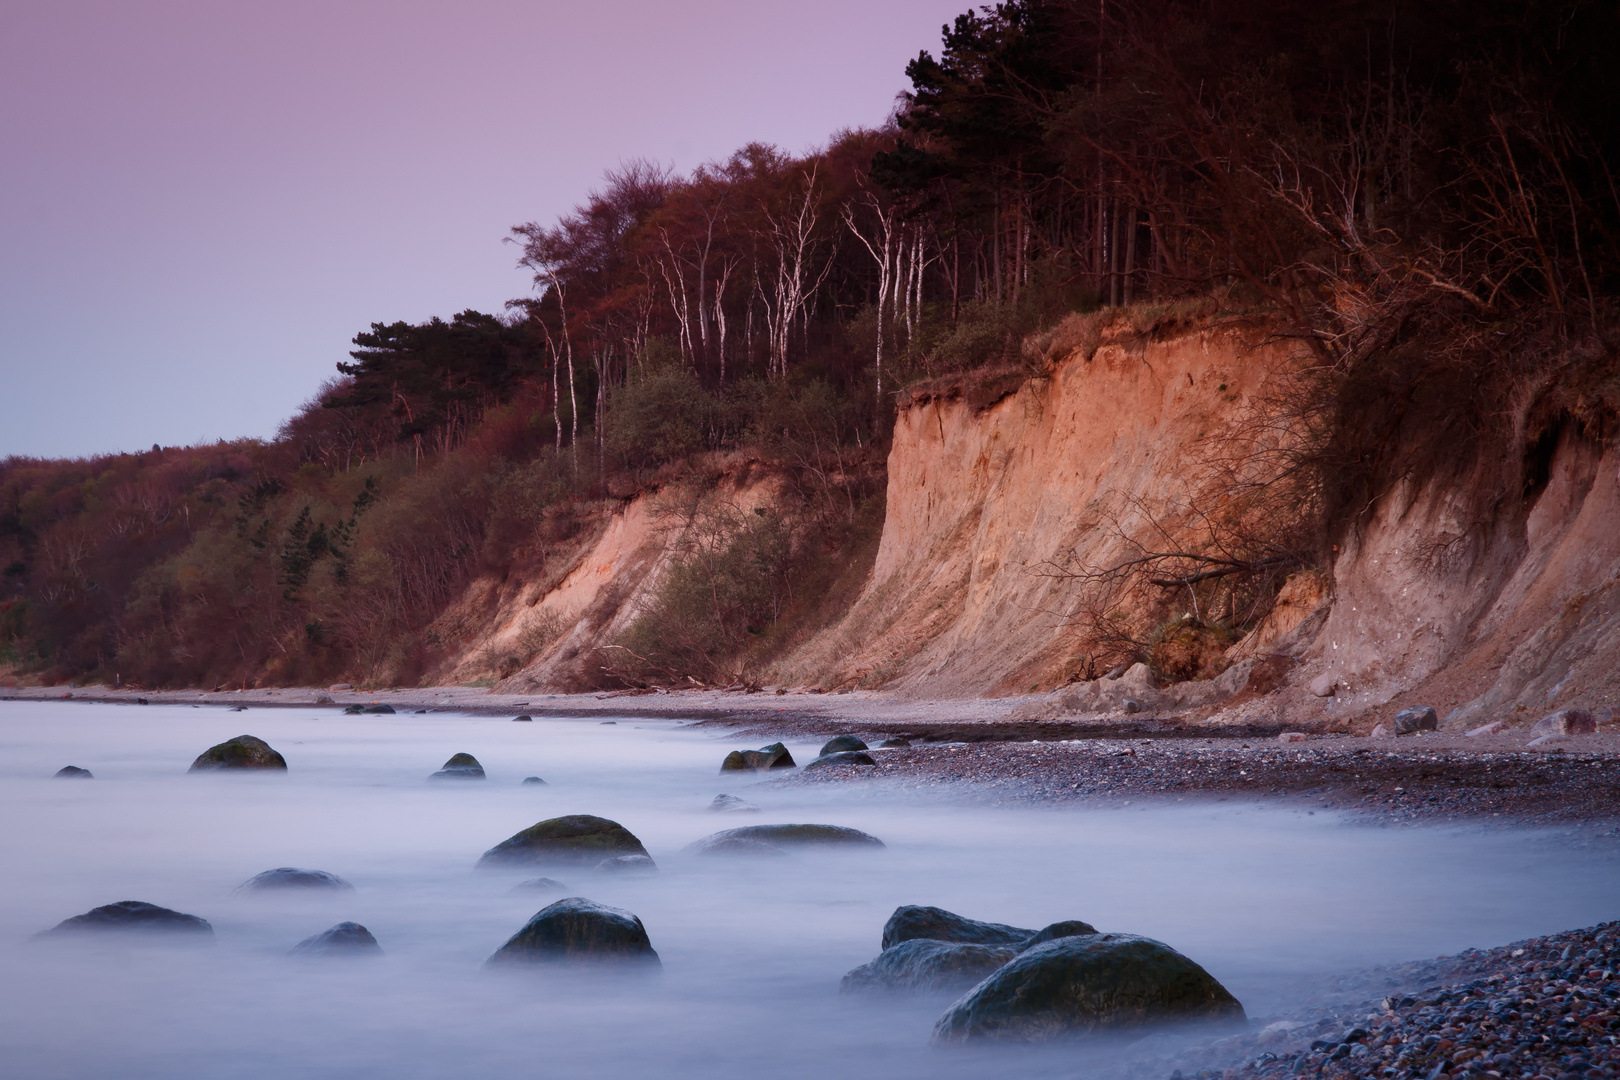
752,950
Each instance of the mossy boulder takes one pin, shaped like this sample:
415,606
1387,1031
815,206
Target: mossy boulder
738,846
577,840
774,756
911,921
460,767
291,877
577,929
783,836
1067,928
73,772
1075,986
842,757
242,752
132,916
344,939
925,966
379,710
840,743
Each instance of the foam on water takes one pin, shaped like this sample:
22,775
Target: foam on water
752,950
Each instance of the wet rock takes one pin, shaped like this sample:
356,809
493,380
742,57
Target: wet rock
577,929
730,804
460,767
1066,928
889,743
923,965
577,840
791,836
1417,718
524,719
73,772
131,916
774,756
1486,729
911,921
534,781
846,757
379,710
739,845
540,884
353,710
1379,731
1324,685
344,939
839,743
242,752
238,708
632,864
1565,722
291,877
1081,985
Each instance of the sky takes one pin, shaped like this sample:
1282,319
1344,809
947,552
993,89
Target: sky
201,203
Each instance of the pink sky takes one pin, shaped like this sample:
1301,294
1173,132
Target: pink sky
201,203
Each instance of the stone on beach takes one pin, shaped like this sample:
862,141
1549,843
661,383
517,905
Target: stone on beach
774,756
577,929
575,839
1417,718
1082,985
131,916
790,836
460,767
1379,731
73,772
1565,722
344,939
911,921
242,752
1291,736
291,877
923,965
843,757
839,743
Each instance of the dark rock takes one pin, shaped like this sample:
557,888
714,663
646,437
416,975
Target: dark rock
844,757
290,877
739,845
73,772
142,701
633,864
353,710
922,965
344,939
1132,706
131,916
578,929
238,708
897,741
380,710
1068,928
242,752
535,780
1417,718
791,836
1081,985
774,756
540,884
460,767
1565,722
839,743
911,921
730,804
524,719
577,839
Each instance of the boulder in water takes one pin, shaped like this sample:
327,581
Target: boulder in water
242,752
1088,984
132,916
915,921
577,929
344,939
922,965
738,845
774,756
291,877
839,743
534,781
540,884
73,772
577,839
524,719
353,710
843,757
792,836
460,767
631,864
730,804
1067,928
380,710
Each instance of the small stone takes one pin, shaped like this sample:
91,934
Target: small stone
73,772
353,710
534,780
888,744
524,719
291,877
839,743
730,804
460,767
344,939
1565,722
1417,718
1324,685
1132,706
242,752
1291,736
1486,729
634,864
1379,731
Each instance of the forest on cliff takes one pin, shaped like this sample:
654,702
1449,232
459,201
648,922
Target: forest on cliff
1422,194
